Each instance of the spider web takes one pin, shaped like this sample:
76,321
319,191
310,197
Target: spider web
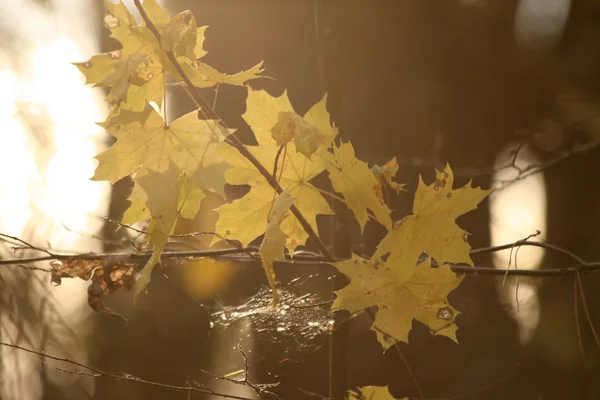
296,319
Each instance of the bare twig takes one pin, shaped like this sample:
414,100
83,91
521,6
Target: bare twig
548,246
400,354
585,309
576,312
26,244
523,172
313,394
97,373
259,388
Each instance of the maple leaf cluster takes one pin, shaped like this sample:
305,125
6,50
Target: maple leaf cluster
174,165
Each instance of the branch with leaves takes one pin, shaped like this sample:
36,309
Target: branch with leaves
249,254
175,164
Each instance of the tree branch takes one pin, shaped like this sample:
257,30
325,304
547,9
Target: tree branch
245,255
234,139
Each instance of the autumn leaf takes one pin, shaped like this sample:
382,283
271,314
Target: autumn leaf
106,278
402,290
168,195
423,296
273,243
199,51
188,142
135,72
162,198
190,197
180,35
137,210
432,226
371,393
245,219
157,14
203,75
385,175
354,180
292,127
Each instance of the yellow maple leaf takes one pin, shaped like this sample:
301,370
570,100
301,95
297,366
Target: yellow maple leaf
273,243
290,126
188,142
157,14
168,195
385,175
423,296
137,210
203,75
402,290
135,73
355,181
371,393
245,219
190,197
432,228
140,52
199,51
180,35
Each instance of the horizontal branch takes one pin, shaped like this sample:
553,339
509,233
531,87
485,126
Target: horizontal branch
245,255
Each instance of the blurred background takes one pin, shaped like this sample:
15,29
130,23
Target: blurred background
497,88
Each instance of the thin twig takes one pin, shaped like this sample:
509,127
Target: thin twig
576,312
548,246
28,245
400,354
313,394
585,309
97,373
259,388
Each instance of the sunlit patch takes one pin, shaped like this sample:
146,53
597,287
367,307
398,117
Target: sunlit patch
207,278
47,146
539,24
516,212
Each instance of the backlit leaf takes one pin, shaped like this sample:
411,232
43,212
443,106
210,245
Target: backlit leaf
188,142
290,126
245,219
180,34
157,14
168,195
199,51
354,180
274,241
203,75
117,69
385,175
402,290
